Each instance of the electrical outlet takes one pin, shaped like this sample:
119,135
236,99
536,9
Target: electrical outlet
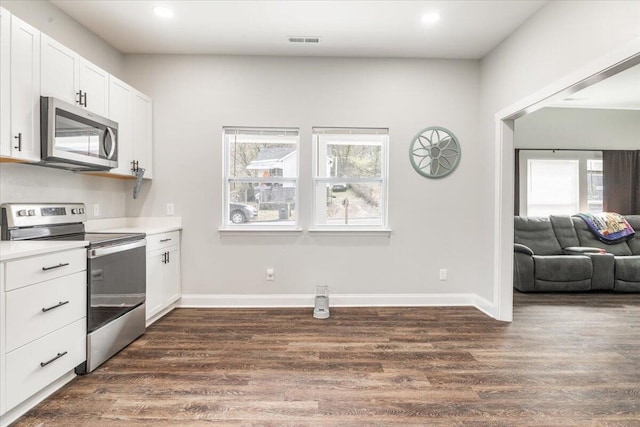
443,274
170,209
96,209
271,275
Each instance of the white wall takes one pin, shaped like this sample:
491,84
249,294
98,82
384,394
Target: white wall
579,128
26,183
563,38
195,96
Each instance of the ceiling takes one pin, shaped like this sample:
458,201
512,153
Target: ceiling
467,29
620,91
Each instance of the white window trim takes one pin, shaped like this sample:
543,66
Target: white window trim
345,229
579,155
228,228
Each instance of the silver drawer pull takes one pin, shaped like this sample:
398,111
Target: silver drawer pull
55,266
165,240
60,304
43,364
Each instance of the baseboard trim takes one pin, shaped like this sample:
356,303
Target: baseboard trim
337,300
485,306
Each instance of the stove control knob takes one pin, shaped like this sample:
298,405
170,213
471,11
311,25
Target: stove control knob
22,212
32,212
81,210
74,211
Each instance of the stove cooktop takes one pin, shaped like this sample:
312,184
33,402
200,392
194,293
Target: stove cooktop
97,240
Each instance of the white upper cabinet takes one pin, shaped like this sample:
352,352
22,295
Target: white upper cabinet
60,71
71,78
132,111
142,133
94,84
121,111
5,83
34,65
24,91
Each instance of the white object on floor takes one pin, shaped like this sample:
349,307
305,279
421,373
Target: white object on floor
321,303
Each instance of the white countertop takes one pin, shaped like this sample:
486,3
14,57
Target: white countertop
19,249
148,225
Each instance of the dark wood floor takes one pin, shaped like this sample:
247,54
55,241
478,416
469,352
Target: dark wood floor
567,359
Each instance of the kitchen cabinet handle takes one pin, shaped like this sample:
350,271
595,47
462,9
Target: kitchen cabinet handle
79,100
85,99
19,138
58,356
134,166
55,266
60,304
168,257
165,240
164,257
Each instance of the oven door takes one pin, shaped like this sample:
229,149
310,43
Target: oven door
117,282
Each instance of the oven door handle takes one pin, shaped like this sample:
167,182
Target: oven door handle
96,253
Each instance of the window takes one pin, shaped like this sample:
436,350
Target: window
555,182
260,177
552,187
350,178
594,185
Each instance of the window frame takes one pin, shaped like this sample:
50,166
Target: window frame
227,178
383,180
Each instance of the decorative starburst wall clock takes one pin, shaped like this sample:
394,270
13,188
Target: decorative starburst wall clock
434,152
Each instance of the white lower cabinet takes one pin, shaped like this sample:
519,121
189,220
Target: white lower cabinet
163,274
34,311
43,330
39,363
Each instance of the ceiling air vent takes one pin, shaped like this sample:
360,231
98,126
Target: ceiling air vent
304,39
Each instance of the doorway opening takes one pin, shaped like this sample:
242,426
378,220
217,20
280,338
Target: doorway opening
505,162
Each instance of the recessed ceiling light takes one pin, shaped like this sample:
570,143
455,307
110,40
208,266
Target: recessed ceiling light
163,12
430,18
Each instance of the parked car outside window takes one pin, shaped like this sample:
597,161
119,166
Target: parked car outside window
240,213
339,187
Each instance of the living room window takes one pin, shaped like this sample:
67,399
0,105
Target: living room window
555,182
350,173
260,178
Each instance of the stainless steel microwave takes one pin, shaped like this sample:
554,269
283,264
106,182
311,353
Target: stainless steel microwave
74,138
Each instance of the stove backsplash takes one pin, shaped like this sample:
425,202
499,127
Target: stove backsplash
21,183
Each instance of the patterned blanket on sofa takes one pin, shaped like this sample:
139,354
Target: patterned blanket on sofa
608,227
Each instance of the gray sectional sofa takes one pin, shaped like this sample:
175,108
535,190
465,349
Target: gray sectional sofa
559,253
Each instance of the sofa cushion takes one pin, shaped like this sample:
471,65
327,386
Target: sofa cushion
537,234
628,268
634,242
562,268
564,231
586,238
562,273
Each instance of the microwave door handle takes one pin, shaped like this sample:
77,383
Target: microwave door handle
113,142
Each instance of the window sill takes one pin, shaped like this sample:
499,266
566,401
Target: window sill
350,232
260,231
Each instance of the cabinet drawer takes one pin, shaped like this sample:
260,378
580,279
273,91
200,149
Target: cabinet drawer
27,271
36,310
162,240
59,352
